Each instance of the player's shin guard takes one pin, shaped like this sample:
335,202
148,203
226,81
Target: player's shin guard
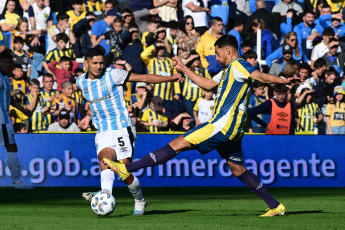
157,157
254,184
107,180
13,164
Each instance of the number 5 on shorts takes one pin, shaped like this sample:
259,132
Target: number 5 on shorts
121,142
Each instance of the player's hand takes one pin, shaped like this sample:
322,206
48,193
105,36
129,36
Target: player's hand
178,64
177,77
292,80
185,114
84,123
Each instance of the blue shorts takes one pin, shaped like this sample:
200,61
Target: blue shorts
206,138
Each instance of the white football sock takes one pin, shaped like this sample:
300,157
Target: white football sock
135,190
107,180
13,164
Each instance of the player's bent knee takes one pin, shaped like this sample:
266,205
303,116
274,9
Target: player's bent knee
236,169
180,144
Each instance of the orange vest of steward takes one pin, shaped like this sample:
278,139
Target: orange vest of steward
280,123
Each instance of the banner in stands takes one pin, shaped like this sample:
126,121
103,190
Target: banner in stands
279,161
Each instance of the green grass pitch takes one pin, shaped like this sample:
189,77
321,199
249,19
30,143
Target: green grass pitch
173,208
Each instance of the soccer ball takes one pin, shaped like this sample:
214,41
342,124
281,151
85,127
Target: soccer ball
103,203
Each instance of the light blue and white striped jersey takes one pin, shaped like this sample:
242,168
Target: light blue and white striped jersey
106,99
5,89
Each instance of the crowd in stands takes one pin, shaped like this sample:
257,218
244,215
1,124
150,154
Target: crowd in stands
48,40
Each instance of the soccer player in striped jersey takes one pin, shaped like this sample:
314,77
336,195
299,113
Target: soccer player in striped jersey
6,128
225,130
116,133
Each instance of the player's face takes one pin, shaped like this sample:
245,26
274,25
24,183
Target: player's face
68,91
95,65
18,73
6,65
221,56
48,83
66,65
63,122
280,97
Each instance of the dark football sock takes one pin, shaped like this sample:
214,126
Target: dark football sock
254,184
157,157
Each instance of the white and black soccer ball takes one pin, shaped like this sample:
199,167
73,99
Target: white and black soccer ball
103,203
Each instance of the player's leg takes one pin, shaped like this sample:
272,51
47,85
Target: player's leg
107,176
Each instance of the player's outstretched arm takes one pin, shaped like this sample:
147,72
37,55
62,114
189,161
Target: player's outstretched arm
202,82
271,79
154,79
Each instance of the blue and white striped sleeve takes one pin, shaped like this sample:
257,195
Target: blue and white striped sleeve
119,76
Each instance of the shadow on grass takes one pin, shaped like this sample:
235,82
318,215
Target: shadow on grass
304,212
153,212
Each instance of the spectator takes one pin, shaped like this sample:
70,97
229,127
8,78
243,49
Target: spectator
335,112
93,6
66,102
171,35
160,34
322,48
306,80
192,92
139,102
247,45
333,58
59,51
100,28
181,123
308,33
291,22
35,103
279,10
143,16
20,128
108,5
63,124
203,109
269,41
82,29
117,25
167,9
205,46
258,96
49,94
333,21
162,65
236,32
278,66
40,16
187,38
251,57
127,17
21,57
77,94
8,20
63,70
289,70
76,14
282,113
198,10
17,116
309,113
298,54
19,81
319,72
62,26
139,127
151,28
154,118
260,13
323,9
132,50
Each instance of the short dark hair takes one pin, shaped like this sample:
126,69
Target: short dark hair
320,62
17,127
47,75
76,2
78,70
62,16
257,84
239,22
62,36
247,43
93,52
17,66
249,54
333,40
280,88
173,25
90,14
133,25
215,20
34,82
18,39
328,31
127,10
308,12
117,20
227,40
64,59
6,54
304,65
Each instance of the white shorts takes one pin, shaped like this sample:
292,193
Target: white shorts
122,141
7,134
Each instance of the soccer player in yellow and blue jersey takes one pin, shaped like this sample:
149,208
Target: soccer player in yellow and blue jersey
154,118
225,130
35,103
162,65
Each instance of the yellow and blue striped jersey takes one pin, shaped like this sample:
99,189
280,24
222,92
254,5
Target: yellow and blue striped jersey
192,91
162,67
151,116
137,112
57,105
96,6
232,99
56,54
37,119
307,114
20,84
46,95
78,99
